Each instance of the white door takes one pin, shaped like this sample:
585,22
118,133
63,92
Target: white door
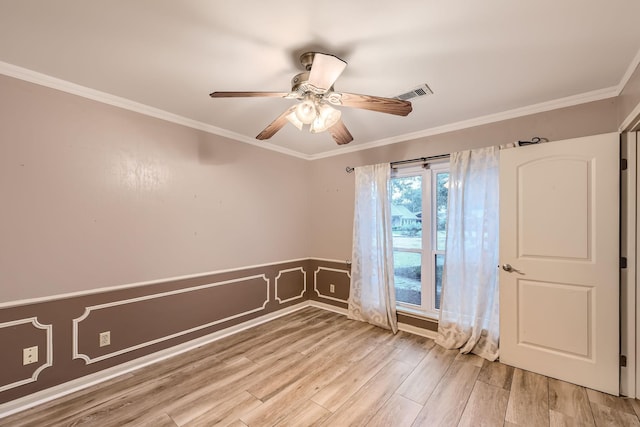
559,241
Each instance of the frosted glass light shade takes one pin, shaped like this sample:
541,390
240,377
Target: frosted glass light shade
327,117
306,111
293,119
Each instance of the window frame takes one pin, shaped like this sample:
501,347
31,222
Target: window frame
429,248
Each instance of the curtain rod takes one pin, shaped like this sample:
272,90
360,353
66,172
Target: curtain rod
350,169
534,140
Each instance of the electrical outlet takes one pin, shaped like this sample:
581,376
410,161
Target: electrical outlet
29,355
332,288
105,338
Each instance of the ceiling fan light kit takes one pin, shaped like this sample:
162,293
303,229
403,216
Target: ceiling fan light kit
314,88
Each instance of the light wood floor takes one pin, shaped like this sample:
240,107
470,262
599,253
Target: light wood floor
315,367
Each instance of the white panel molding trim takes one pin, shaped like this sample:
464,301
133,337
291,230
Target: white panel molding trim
88,310
315,282
49,362
304,282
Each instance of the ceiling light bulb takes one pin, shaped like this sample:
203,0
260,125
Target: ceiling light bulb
327,117
306,111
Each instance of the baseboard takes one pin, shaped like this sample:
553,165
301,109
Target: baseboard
328,307
417,331
401,326
78,384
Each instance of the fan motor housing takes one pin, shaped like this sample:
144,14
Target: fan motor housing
299,79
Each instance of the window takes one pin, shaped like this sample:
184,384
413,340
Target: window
419,223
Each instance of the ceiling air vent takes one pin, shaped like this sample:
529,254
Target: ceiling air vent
422,90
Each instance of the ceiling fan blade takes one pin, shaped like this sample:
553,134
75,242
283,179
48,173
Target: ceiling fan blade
325,70
275,125
248,94
373,103
340,133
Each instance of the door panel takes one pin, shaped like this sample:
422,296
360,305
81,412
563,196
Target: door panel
559,313
556,200
567,305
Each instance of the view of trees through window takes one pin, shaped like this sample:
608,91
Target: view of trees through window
414,197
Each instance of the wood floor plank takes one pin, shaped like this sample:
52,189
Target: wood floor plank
571,401
308,339
608,416
447,402
426,376
308,414
413,348
269,386
277,407
199,401
362,406
164,392
398,411
355,331
276,344
635,403
614,402
487,406
474,359
340,390
528,400
496,373
222,412
162,420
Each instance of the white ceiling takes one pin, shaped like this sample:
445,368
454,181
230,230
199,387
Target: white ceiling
481,58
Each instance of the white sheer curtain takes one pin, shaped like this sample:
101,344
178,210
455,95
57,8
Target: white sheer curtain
372,298
469,309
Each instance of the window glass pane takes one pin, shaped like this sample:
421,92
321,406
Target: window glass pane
442,193
406,212
407,275
438,284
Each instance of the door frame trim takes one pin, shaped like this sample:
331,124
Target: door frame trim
629,382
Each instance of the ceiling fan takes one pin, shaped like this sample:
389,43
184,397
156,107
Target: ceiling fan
314,89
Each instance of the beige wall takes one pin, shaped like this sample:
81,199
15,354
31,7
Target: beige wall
332,188
95,196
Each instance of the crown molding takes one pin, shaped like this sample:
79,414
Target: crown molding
596,95
41,79
630,70
106,98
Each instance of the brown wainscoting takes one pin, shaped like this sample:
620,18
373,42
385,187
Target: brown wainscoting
141,320
327,273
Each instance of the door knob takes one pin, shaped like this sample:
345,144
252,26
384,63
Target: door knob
509,269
